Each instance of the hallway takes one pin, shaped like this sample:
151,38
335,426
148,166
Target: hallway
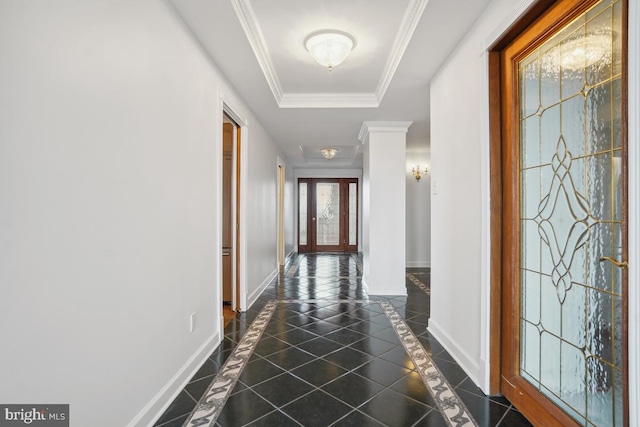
316,350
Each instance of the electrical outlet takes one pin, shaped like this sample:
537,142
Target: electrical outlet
192,322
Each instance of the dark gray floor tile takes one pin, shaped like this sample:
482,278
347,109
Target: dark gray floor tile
348,358
432,419
412,386
319,372
295,336
373,346
345,336
320,346
398,356
486,412
243,408
320,327
513,418
208,369
451,370
394,409
258,371
282,389
357,419
353,389
316,409
182,405
270,345
177,422
197,388
368,328
290,358
381,371
274,419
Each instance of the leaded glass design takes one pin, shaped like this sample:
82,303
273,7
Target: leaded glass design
327,214
570,210
302,220
353,213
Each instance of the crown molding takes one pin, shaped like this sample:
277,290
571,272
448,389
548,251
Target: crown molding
251,28
329,100
381,127
412,16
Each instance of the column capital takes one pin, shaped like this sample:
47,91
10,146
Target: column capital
382,127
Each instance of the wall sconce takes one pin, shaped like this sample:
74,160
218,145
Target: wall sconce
418,173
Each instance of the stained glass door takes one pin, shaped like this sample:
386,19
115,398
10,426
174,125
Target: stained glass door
569,304
327,215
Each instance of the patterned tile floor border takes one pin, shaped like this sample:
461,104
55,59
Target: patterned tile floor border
210,405
413,279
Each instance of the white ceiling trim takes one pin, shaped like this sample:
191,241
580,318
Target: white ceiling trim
329,100
382,127
412,16
252,30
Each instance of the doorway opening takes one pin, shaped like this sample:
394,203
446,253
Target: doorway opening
281,237
231,132
328,215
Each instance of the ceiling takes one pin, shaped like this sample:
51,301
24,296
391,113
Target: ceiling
258,46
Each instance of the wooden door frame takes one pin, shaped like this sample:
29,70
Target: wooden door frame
281,187
503,187
227,107
311,245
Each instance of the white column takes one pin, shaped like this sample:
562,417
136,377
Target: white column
383,212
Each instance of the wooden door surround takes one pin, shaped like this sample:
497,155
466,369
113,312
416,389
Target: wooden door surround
543,19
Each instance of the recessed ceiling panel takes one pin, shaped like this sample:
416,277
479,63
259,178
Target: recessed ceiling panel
286,23
277,29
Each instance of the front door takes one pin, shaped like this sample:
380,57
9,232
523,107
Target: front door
564,280
328,215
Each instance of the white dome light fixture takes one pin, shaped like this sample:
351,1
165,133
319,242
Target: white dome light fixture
329,47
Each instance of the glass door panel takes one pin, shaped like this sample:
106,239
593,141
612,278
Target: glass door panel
327,214
571,295
302,213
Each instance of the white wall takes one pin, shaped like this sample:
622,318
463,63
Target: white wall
418,235
290,210
459,213
261,197
110,129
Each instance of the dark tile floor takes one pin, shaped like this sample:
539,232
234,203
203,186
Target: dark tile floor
334,363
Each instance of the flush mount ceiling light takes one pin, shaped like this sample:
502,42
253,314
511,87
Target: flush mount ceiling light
329,153
329,47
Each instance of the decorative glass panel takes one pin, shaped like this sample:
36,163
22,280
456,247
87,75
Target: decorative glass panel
302,220
353,213
570,170
327,214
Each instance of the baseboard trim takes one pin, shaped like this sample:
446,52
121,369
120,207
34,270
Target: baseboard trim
260,289
161,401
383,290
418,264
466,362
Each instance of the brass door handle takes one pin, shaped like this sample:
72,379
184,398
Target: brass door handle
615,262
